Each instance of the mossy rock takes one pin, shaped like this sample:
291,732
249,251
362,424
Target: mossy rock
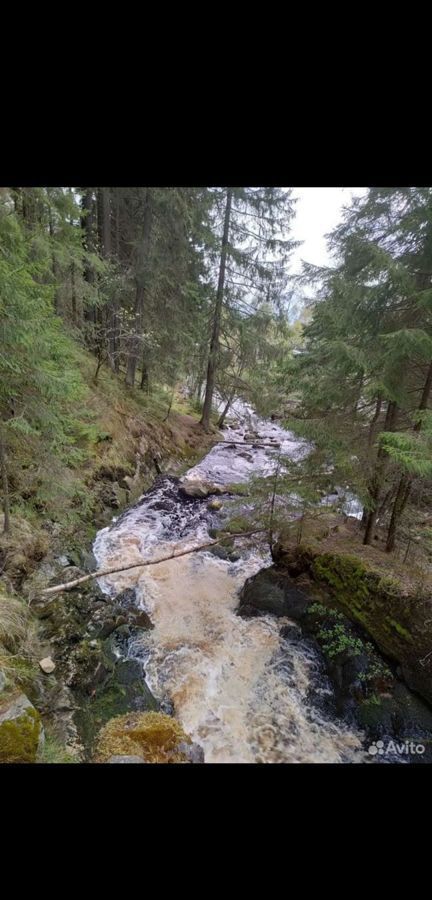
398,621
124,691
153,735
21,732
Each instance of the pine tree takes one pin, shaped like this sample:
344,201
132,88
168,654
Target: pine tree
252,263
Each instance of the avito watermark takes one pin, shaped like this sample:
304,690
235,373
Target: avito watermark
405,748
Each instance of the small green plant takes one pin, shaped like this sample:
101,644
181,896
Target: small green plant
54,752
337,639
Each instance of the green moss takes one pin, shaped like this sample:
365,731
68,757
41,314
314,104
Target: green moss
238,488
345,575
238,524
19,738
401,630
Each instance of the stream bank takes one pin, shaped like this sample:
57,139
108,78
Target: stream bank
375,637
81,634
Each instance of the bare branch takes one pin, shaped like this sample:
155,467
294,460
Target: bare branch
69,585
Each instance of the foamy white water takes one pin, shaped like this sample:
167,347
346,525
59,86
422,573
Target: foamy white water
239,689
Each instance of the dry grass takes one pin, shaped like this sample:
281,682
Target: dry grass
154,736
19,645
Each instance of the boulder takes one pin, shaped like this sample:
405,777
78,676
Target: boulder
21,732
47,665
199,489
193,752
127,483
271,592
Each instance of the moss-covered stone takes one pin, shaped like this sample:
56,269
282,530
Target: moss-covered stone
398,621
153,735
21,733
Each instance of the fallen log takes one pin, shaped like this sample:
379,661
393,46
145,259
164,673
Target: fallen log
69,585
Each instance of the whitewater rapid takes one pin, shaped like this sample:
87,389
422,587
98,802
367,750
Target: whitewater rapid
243,692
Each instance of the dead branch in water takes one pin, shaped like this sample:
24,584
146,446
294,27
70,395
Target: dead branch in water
69,585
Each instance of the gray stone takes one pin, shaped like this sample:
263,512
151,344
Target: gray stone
88,561
199,489
47,665
193,752
126,759
62,561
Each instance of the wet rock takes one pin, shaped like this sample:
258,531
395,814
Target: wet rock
271,592
47,665
235,556
215,505
21,732
291,632
128,671
141,619
127,598
250,437
88,561
193,752
219,551
106,628
167,707
199,489
399,715
126,759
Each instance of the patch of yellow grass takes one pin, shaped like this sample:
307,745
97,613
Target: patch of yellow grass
154,736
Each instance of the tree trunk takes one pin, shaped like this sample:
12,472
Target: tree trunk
105,244
5,483
404,487
104,221
55,268
73,295
144,378
87,225
379,473
375,418
214,344
399,504
224,413
170,404
140,282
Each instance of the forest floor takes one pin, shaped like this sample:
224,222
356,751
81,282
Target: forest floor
334,533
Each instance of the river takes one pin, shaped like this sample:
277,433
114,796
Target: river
241,691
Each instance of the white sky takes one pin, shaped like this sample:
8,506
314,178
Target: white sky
317,212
